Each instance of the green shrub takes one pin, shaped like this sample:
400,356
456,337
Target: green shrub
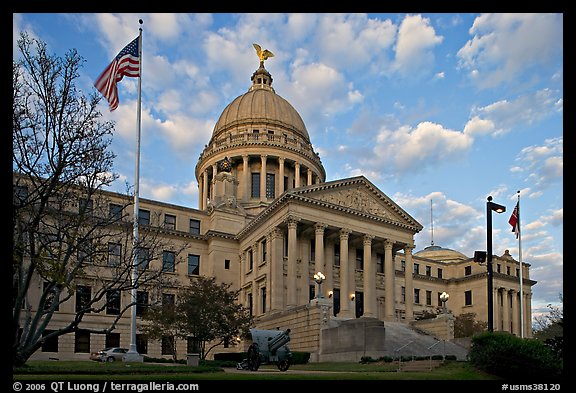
508,356
300,357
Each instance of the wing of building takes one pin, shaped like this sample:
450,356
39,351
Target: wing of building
267,221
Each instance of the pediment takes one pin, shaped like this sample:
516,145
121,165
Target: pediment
358,196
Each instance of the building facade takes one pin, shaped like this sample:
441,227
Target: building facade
267,221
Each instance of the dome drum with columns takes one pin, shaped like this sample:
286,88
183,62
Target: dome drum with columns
260,133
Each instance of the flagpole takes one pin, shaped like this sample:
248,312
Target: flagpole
521,271
133,354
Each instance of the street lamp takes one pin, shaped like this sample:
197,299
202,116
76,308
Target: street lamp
319,277
490,207
444,298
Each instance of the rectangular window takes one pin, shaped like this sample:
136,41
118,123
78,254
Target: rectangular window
264,251
270,185
114,254
85,252
359,303
285,183
250,260
255,192
143,259
51,344
112,340
115,211
85,206
416,295
250,304
429,271
336,301
468,298
226,264
82,341
336,254
83,297
50,291
312,249
141,302
194,226
439,273
359,259
168,261
193,264
143,217
192,345
403,294
403,265
20,194
508,270
416,268
141,344
113,302
498,268
428,298
311,292
440,298
467,270
170,221
167,345
379,263
517,272
168,300
263,298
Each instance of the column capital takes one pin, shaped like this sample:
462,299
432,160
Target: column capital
281,159
292,221
276,233
344,233
319,228
368,239
388,244
408,248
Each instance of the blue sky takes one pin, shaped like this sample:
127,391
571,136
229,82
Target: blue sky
437,110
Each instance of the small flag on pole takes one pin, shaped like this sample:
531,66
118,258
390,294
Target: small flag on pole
515,220
126,63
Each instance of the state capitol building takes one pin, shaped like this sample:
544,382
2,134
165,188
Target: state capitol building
267,221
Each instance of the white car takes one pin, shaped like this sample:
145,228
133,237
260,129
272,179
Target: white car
109,354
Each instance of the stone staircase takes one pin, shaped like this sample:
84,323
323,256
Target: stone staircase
419,365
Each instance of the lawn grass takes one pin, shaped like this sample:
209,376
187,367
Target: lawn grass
87,370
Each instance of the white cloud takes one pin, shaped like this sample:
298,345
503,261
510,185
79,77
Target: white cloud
428,144
504,46
416,39
543,164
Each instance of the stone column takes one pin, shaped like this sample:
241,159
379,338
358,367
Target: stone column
497,319
205,190
328,285
408,274
506,310
263,177
296,174
319,258
200,192
369,278
515,314
528,315
281,176
309,178
276,282
292,255
390,282
346,286
246,178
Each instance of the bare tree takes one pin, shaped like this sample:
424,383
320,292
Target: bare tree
66,235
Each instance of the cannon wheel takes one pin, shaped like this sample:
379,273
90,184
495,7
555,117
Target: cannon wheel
253,357
283,365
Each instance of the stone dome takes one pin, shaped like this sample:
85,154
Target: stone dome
260,105
438,253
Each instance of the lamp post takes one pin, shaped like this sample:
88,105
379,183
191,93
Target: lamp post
444,298
490,207
319,277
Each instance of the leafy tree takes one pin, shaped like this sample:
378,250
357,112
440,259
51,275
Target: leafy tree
206,312
164,326
549,328
62,227
466,325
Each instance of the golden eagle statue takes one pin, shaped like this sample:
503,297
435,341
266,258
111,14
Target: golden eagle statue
262,54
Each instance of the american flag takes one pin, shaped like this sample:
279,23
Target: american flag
127,62
515,220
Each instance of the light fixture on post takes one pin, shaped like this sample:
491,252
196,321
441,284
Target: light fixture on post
352,296
490,207
319,277
444,298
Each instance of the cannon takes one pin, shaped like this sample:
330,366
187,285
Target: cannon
268,347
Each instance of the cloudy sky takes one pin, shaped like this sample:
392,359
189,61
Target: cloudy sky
437,110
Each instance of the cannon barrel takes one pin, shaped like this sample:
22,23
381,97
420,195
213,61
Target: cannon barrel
279,340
